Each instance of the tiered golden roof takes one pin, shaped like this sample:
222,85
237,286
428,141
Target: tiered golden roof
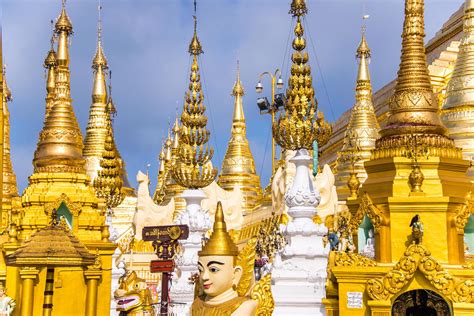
53,245
10,189
60,145
238,167
297,126
458,107
193,167
362,130
413,106
50,64
108,183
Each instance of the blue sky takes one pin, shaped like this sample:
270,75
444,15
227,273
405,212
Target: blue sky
146,42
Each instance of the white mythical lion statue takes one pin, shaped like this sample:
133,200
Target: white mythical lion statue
324,182
147,212
231,203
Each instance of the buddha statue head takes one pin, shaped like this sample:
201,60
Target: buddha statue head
218,270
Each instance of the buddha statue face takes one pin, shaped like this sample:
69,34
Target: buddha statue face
218,274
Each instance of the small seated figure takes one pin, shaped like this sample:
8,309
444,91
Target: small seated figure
416,229
220,272
369,248
7,304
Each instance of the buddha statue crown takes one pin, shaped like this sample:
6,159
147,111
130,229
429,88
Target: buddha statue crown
220,243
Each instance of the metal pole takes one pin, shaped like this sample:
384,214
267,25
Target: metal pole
164,294
273,110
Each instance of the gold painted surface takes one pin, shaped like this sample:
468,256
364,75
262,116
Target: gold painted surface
458,107
10,189
413,105
193,167
362,130
297,127
238,167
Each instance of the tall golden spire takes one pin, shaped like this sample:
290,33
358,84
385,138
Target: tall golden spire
193,167
60,143
10,188
96,130
458,107
363,128
413,107
50,64
238,167
297,127
108,183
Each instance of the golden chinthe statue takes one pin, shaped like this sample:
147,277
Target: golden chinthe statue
226,277
133,298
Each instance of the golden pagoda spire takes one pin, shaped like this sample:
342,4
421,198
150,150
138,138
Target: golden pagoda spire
297,127
458,107
238,167
50,64
10,188
60,145
108,183
193,167
363,128
96,130
413,106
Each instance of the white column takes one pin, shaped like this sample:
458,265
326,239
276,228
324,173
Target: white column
299,273
198,221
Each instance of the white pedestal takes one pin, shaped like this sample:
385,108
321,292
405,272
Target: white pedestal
299,273
182,291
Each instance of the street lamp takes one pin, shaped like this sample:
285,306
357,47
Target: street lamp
278,101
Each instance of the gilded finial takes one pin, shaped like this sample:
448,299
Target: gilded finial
195,47
99,61
193,168
63,22
238,88
220,243
298,8
297,127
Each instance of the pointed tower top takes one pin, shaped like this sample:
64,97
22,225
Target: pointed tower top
63,23
195,47
99,59
238,88
51,58
413,106
363,56
6,90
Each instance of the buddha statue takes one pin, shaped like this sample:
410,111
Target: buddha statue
225,277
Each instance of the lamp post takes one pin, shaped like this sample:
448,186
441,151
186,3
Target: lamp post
278,101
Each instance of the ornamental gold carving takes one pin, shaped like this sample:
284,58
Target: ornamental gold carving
463,213
367,207
74,208
418,257
347,259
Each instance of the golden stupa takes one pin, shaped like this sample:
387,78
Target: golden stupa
362,130
59,190
238,167
97,126
414,169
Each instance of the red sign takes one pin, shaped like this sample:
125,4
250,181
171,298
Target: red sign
161,266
